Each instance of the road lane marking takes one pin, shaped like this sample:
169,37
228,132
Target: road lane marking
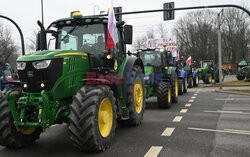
53,125
183,110
177,119
153,151
193,97
229,112
190,100
195,94
220,131
168,132
224,99
188,105
245,131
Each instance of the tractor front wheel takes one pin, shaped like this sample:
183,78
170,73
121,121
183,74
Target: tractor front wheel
164,95
93,118
190,82
208,78
180,86
195,81
185,85
174,87
10,135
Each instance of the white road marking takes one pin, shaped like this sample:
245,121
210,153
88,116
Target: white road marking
224,99
168,132
183,110
153,151
195,94
188,105
220,131
193,97
177,119
190,100
230,112
246,131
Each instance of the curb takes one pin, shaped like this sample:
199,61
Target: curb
232,92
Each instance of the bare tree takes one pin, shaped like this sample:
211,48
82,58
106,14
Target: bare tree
162,30
8,48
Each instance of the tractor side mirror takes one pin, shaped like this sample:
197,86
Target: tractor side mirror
41,41
128,34
38,41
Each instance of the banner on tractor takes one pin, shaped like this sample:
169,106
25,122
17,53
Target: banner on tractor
171,44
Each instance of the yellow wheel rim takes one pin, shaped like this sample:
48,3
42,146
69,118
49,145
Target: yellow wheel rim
176,87
210,79
138,95
169,95
222,76
27,130
105,117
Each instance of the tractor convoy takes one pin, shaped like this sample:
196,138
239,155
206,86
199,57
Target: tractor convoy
82,84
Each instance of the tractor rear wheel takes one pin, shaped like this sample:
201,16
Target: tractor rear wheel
10,136
208,78
180,86
195,81
240,76
185,85
164,95
190,82
93,118
174,87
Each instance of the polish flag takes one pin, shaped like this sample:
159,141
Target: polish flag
189,60
112,29
178,56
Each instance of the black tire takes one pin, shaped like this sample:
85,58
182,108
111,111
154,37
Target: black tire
134,117
10,136
190,82
163,97
248,75
84,123
195,81
217,77
185,85
174,88
208,79
240,76
180,86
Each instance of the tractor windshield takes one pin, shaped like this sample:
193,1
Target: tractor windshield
88,38
206,64
151,58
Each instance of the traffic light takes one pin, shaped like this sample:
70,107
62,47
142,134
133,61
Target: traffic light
118,10
168,15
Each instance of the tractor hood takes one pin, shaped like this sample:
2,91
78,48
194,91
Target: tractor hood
149,70
49,54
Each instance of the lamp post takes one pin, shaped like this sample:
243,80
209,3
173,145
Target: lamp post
42,11
219,48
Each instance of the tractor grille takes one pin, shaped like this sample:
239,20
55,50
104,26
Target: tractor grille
46,76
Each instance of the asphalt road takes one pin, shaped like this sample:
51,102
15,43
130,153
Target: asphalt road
202,123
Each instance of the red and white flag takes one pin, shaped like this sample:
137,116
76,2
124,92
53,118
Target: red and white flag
189,60
112,29
178,56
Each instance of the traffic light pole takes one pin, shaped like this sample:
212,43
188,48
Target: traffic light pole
219,48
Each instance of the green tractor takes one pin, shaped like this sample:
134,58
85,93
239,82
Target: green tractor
207,72
243,70
161,78
79,83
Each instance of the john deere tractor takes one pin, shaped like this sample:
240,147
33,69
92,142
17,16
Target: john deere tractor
207,72
243,70
6,75
161,77
78,83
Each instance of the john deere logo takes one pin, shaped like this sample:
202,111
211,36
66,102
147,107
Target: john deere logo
30,74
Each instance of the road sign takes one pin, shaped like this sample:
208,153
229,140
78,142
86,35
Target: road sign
168,15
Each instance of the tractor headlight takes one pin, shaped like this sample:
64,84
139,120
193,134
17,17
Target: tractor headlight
41,64
21,65
146,78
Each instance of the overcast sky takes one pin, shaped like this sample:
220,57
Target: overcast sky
27,12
